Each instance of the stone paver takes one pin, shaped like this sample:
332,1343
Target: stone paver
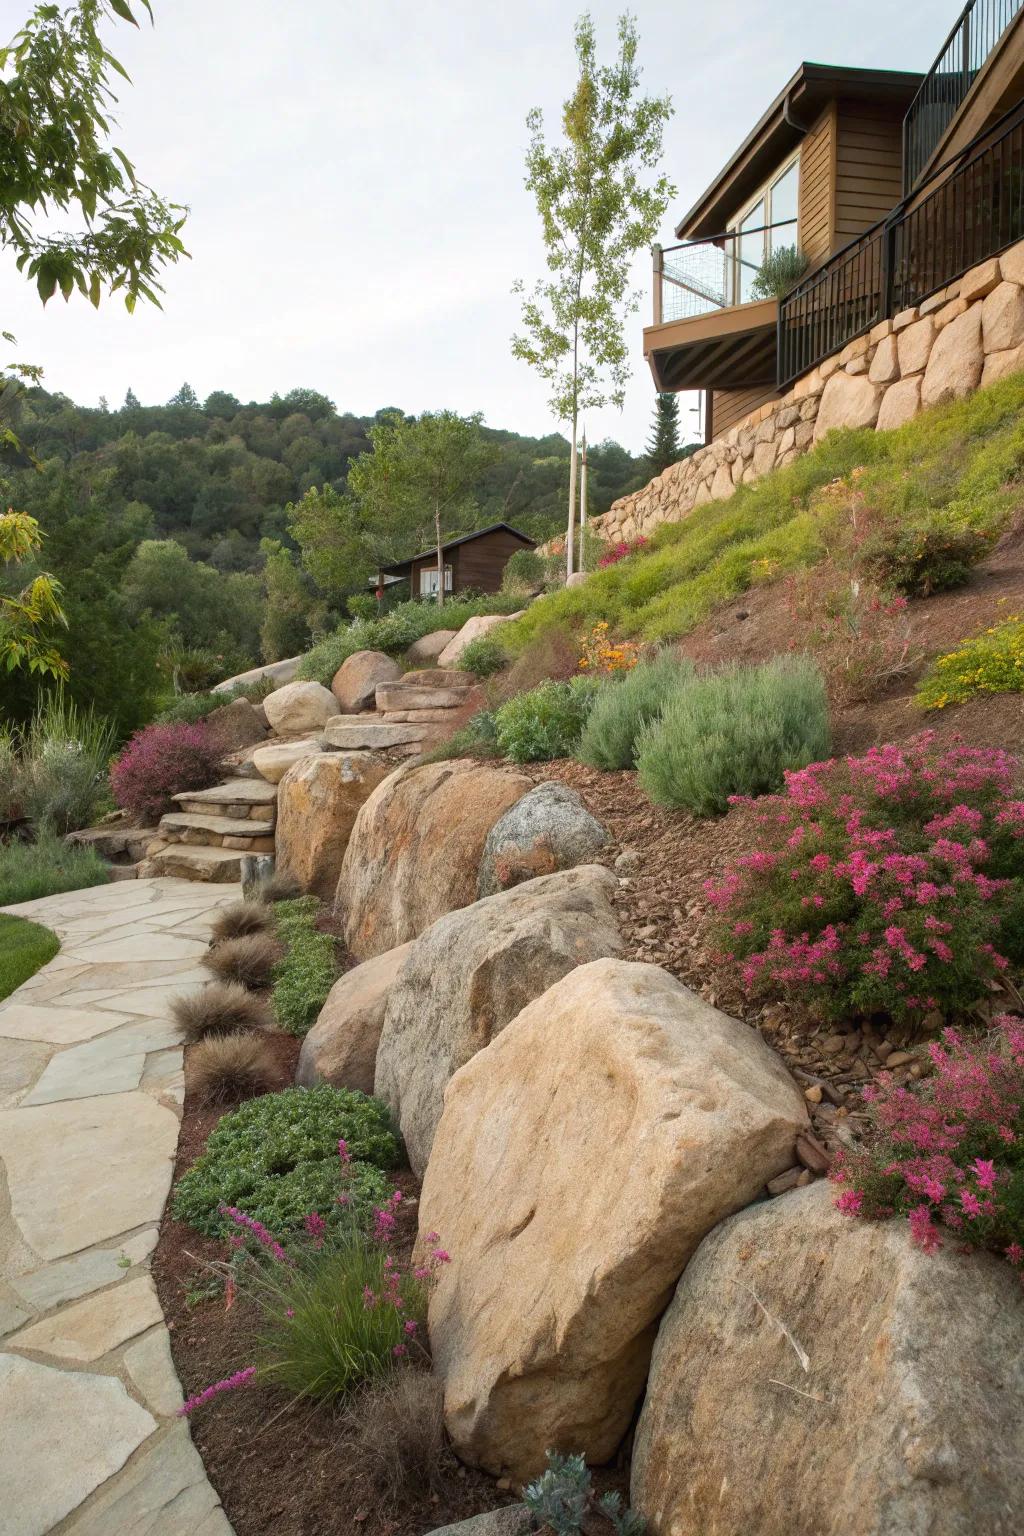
90,1093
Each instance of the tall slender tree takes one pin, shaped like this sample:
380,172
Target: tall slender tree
598,206
663,446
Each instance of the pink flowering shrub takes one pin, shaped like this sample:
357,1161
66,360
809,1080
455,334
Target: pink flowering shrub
621,551
886,883
951,1155
158,762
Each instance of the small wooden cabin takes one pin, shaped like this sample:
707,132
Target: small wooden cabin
476,562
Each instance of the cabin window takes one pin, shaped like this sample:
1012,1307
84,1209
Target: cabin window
766,225
428,580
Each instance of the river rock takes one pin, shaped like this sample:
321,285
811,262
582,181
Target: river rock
341,1048
580,1159
906,1419
474,971
298,708
355,683
548,829
415,849
317,803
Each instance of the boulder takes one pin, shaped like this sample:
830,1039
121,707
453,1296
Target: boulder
277,671
341,1048
580,1159
954,368
548,829
415,850
474,971
318,800
1002,318
273,760
999,365
907,1415
914,346
299,708
848,401
900,404
234,726
356,680
440,688
513,1521
371,735
429,647
885,365
472,630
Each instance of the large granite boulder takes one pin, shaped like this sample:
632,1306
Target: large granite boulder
849,400
512,1521
272,760
472,630
548,829
436,688
355,683
474,971
956,361
298,708
234,726
816,1373
580,1159
276,671
415,849
429,647
318,800
341,1048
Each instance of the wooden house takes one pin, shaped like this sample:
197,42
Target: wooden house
475,562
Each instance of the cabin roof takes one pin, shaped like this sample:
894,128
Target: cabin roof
781,128
465,538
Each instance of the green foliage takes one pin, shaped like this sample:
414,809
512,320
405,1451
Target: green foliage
992,662
188,708
734,732
60,777
318,1338
276,1159
525,571
24,949
928,554
625,705
663,446
29,617
285,627
200,606
547,722
308,971
55,113
562,1498
778,272
46,867
395,631
483,656
477,738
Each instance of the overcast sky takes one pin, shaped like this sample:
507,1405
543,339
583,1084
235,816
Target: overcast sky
355,179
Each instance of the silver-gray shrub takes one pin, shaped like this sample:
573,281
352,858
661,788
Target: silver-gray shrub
61,774
735,732
625,705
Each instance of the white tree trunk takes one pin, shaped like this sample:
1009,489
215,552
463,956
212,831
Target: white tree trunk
440,560
570,564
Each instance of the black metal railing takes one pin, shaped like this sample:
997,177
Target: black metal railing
944,89
974,210
702,276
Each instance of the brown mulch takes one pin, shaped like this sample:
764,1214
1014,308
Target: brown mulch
279,1467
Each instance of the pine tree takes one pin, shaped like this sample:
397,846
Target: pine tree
663,448
186,396
131,401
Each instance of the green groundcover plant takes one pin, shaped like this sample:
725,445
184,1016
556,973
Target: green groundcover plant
546,722
992,662
395,631
308,969
46,867
889,883
734,732
276,1159
949,1156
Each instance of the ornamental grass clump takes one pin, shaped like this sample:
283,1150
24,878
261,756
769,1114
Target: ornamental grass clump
219,1008
240,919
249,960
225,1068
949,1156
734,732
625,706
888,883
159,762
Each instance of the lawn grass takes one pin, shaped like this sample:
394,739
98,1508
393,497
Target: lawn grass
962,463
46,867
24,948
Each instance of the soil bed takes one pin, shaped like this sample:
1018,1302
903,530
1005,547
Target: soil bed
278,1466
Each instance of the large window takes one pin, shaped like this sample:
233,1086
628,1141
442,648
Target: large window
428,580
766,225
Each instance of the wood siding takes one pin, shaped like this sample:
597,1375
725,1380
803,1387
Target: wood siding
817,203
868,167
481,562
731,405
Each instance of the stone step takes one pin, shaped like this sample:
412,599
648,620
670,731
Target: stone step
239,800
219,831
419,716
220,866
349,732
405,696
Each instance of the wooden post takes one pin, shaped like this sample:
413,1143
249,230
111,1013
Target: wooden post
583,501
659,267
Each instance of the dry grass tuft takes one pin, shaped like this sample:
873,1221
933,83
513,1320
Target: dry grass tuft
225,1068
221,1008
240,920
395,1443
277,888
250,960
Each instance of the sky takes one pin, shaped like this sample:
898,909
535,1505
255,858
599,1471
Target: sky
354,173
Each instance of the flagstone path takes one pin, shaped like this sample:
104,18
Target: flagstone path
90,1101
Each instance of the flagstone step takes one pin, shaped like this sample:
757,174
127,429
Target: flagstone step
188,862
239,799
195,827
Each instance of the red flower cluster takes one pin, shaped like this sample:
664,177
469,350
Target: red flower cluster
621,551
886,882
951,1155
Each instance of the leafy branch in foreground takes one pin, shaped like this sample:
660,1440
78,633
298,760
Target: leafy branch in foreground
27,617
55,156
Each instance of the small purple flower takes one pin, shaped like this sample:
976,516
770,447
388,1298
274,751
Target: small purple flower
229,1384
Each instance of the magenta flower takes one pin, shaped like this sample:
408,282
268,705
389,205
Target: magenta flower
229,1384
985,1172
